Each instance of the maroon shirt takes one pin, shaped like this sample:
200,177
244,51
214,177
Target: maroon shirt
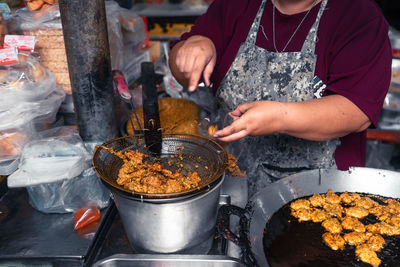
353,52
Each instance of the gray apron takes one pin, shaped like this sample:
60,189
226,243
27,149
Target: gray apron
258,74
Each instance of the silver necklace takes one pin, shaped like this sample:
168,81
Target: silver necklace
298,26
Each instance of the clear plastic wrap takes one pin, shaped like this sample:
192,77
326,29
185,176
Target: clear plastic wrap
60,154
24,19
70,194
27,81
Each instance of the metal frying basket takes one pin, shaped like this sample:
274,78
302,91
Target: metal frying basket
190,153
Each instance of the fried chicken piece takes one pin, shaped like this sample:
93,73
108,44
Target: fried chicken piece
334,209
387,229
393,206
394,220
317,200
367,255
375,242
332,198
383,228
302,214
348,198
300,204
374,228
378,210
233,167
332,225
365,202
355,238
357,212
351,223
334,241
318,215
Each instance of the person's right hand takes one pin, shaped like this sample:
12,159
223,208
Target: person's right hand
196,56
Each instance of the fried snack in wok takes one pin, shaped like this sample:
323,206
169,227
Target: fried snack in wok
367,239
137,175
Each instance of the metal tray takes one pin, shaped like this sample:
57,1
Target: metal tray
145,260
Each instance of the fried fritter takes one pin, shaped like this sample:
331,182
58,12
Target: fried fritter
355,238
367,255
332,225
351,223
331,197
365,202
393,206
383,228
317,200
334,209
334,241
357,212
394,220
300,204
348,198
375,242
318,215
302,214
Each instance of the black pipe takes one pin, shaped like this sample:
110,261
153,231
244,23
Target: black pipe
88,54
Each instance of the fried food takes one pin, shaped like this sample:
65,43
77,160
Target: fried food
357,212
365,202
331,197
302,214
355,238
300,204
176,116
332,225
317,200
367,255
335,210
345,211
318,215
349,198
375,242
334,241
351,223
138,175
233,167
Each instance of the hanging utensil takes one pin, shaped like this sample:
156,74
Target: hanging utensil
125,96
151,116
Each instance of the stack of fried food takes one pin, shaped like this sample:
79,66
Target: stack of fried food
341,215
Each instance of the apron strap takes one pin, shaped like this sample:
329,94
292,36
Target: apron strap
311,39
252,35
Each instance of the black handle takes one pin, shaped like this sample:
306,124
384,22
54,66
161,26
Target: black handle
152,132
242,240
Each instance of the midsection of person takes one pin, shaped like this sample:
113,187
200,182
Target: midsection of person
352,59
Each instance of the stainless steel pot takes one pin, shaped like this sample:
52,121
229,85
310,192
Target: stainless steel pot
185,225
266,202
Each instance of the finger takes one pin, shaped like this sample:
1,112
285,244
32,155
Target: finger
208,71
235,127
195,76
233,137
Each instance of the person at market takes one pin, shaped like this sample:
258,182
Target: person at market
301,79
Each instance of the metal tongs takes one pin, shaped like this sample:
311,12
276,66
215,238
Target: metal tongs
126,97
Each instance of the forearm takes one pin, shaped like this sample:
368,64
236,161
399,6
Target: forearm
322,119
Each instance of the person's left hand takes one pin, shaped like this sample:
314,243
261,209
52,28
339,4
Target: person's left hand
255,118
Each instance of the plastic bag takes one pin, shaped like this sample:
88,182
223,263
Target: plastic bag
27,81
59,155
86,215
25,19
70,194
